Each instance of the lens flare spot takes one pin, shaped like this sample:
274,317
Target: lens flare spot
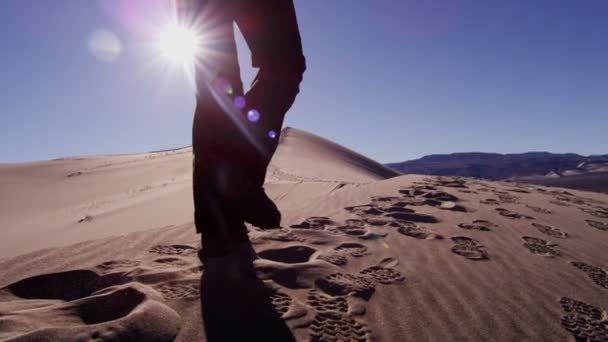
272,134
253,115
104,45
222,85
240,102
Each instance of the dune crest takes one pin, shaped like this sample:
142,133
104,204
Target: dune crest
312,157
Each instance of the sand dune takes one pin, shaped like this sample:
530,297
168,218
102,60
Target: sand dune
311,157
362,256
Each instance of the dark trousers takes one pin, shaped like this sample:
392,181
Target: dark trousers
232,145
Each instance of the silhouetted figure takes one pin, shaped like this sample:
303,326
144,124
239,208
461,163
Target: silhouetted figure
234,137
235,133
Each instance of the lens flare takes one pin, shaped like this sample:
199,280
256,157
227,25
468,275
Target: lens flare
272,134
104,45
180,45
240,102
253,115
222,86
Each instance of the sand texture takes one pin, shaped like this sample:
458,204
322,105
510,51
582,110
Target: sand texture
103,248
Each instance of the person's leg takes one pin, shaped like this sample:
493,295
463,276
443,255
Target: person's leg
218,222
271,31
231,151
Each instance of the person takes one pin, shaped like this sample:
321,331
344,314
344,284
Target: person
235,133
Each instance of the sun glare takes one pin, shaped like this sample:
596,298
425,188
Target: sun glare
180,45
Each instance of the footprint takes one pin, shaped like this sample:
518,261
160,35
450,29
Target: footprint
355,223
96,308
355,249
281,302
315,223
373,236
182,289
597,212
598,275
172,261
539,246
379,221
331,326
433,202
490,201
413,192
449,205
383,275
66,286
413,217
565,196
281,235
365,210
482,225
597,225
506,197
397,209
343,284
523,191
336,259
288,255
324,303
114,264
385,199
513,215
183,250
469,248
584,321
412,230
445,205
353,228
539,209
441,196
551,231
423,186
580,308
450,182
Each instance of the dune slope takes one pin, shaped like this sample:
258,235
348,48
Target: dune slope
364,257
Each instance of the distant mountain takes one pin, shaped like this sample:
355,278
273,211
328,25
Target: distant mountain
534,167
597,182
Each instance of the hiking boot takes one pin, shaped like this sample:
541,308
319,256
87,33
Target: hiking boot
259,210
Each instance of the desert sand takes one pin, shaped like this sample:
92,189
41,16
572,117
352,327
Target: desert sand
103,248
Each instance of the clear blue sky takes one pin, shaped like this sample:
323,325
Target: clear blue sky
392,79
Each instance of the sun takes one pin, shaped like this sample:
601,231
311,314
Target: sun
180,45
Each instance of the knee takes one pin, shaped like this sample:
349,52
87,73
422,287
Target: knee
286,73
277,83
297,66
294,70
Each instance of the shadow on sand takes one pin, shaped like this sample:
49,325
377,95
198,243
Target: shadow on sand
235,304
